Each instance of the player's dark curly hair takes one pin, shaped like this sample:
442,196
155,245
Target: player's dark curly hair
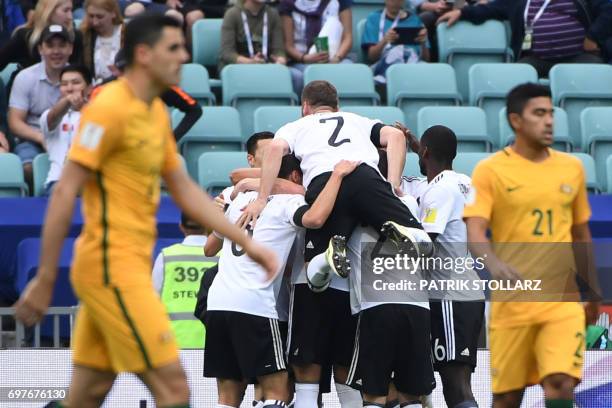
289,164
519,96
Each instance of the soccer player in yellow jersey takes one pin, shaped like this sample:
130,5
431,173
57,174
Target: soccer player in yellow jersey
123,146
534,202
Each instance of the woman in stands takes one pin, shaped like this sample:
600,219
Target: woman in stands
306,20
251,34
22,48
103,32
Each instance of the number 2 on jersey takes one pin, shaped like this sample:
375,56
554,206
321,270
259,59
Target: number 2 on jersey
332,139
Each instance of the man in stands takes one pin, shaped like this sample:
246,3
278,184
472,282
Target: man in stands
35,90
547,32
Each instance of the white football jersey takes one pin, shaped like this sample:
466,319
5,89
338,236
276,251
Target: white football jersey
240,285
365,295
321,140
441,204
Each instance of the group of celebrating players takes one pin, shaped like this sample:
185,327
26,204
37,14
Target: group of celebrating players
295,245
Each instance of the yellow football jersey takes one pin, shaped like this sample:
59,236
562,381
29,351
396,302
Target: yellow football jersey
531,208
128,145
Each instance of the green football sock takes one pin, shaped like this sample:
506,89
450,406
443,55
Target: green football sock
559,403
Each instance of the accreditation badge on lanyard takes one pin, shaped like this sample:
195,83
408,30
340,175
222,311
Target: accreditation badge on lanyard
249,37
528,39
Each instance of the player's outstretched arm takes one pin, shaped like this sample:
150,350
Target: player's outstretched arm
393,139
200,207
36,297
320,210
273,155
585,267
480,247
238,175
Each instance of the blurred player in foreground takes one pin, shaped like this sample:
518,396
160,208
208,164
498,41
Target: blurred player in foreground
534,201
123,146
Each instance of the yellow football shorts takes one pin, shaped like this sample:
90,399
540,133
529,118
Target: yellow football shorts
524,355
122,329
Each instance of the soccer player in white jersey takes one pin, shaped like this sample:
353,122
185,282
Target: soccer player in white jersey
392,344
243,337
456,315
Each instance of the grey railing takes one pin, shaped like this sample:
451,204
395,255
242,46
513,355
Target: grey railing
18,337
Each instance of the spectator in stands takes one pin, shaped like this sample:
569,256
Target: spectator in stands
102,36
429,12
60,123
168,7
35,90
22,48
379,39
546,32
251,34
304,21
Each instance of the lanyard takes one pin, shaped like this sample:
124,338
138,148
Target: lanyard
381,26
529,27
249,38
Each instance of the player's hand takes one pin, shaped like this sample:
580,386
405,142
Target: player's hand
390,37
34,301
502,271
220,202
252,211
76,100
451,17
591,312
413,143
345,167
264,257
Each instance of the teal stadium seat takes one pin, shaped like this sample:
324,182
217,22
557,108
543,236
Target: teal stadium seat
249,86
195,81
6,73
466,162
206,43
596,126
214,169
592,183
465,44
578,86
414,86
217,130
489,85
386,114
12,183
609,172
411,168
354,82
358,30
272,118
562,139
361,9
40,169
468,122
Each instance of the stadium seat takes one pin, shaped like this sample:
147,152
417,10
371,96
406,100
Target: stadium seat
272,118
40,168
28,252
465,44
596,124
386,114
214,169
562,139
194,81
466,162
206,43
354,82
414,86
489,85
411,168
6,73
361,9
468,122
592,182
247,87
609,174
217,130
12,183
578,86
358,30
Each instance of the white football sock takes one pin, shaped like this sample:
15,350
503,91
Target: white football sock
274,404
349,397
306,395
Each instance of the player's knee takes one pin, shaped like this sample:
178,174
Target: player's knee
559,386
309,373
340,374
